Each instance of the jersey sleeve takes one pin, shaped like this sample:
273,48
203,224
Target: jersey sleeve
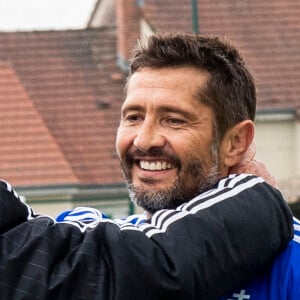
202,250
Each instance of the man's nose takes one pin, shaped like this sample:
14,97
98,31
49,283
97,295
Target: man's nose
149,136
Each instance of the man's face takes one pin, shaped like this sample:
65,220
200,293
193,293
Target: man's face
165,140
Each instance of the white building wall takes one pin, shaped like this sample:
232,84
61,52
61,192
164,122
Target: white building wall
297,145
277,140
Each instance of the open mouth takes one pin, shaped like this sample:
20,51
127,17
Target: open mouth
155,165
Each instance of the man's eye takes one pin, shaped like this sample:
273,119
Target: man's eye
133,118
175,121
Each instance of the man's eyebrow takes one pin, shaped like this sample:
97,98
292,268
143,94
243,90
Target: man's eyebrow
178,110
131,107
162,109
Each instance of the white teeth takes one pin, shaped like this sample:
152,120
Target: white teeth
145,165
152,166
155,165
158,166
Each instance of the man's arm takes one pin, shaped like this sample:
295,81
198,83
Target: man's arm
202,250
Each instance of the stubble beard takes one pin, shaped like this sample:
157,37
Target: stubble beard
152,199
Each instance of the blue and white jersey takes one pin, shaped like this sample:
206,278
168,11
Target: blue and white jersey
281,281
90,215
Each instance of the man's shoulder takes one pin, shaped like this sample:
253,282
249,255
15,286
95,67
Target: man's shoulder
296,238
279,282
288,259
292,251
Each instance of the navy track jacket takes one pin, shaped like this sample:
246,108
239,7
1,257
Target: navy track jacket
202,250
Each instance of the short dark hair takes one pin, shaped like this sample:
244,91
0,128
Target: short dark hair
230,88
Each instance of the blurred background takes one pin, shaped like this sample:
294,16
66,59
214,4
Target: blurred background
63,66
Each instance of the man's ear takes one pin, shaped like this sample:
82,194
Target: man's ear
235,143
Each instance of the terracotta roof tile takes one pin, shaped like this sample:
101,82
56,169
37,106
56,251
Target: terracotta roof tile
67,76
168,15
28,152
61,91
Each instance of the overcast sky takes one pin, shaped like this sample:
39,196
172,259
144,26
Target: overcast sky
16,15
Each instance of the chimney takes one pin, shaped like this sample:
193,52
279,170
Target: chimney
128,30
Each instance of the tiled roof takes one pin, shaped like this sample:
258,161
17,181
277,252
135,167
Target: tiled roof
60,98
267,32
28,152
61,91
169,15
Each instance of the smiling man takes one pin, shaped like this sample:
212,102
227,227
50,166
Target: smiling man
171,141
166,139
186,122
